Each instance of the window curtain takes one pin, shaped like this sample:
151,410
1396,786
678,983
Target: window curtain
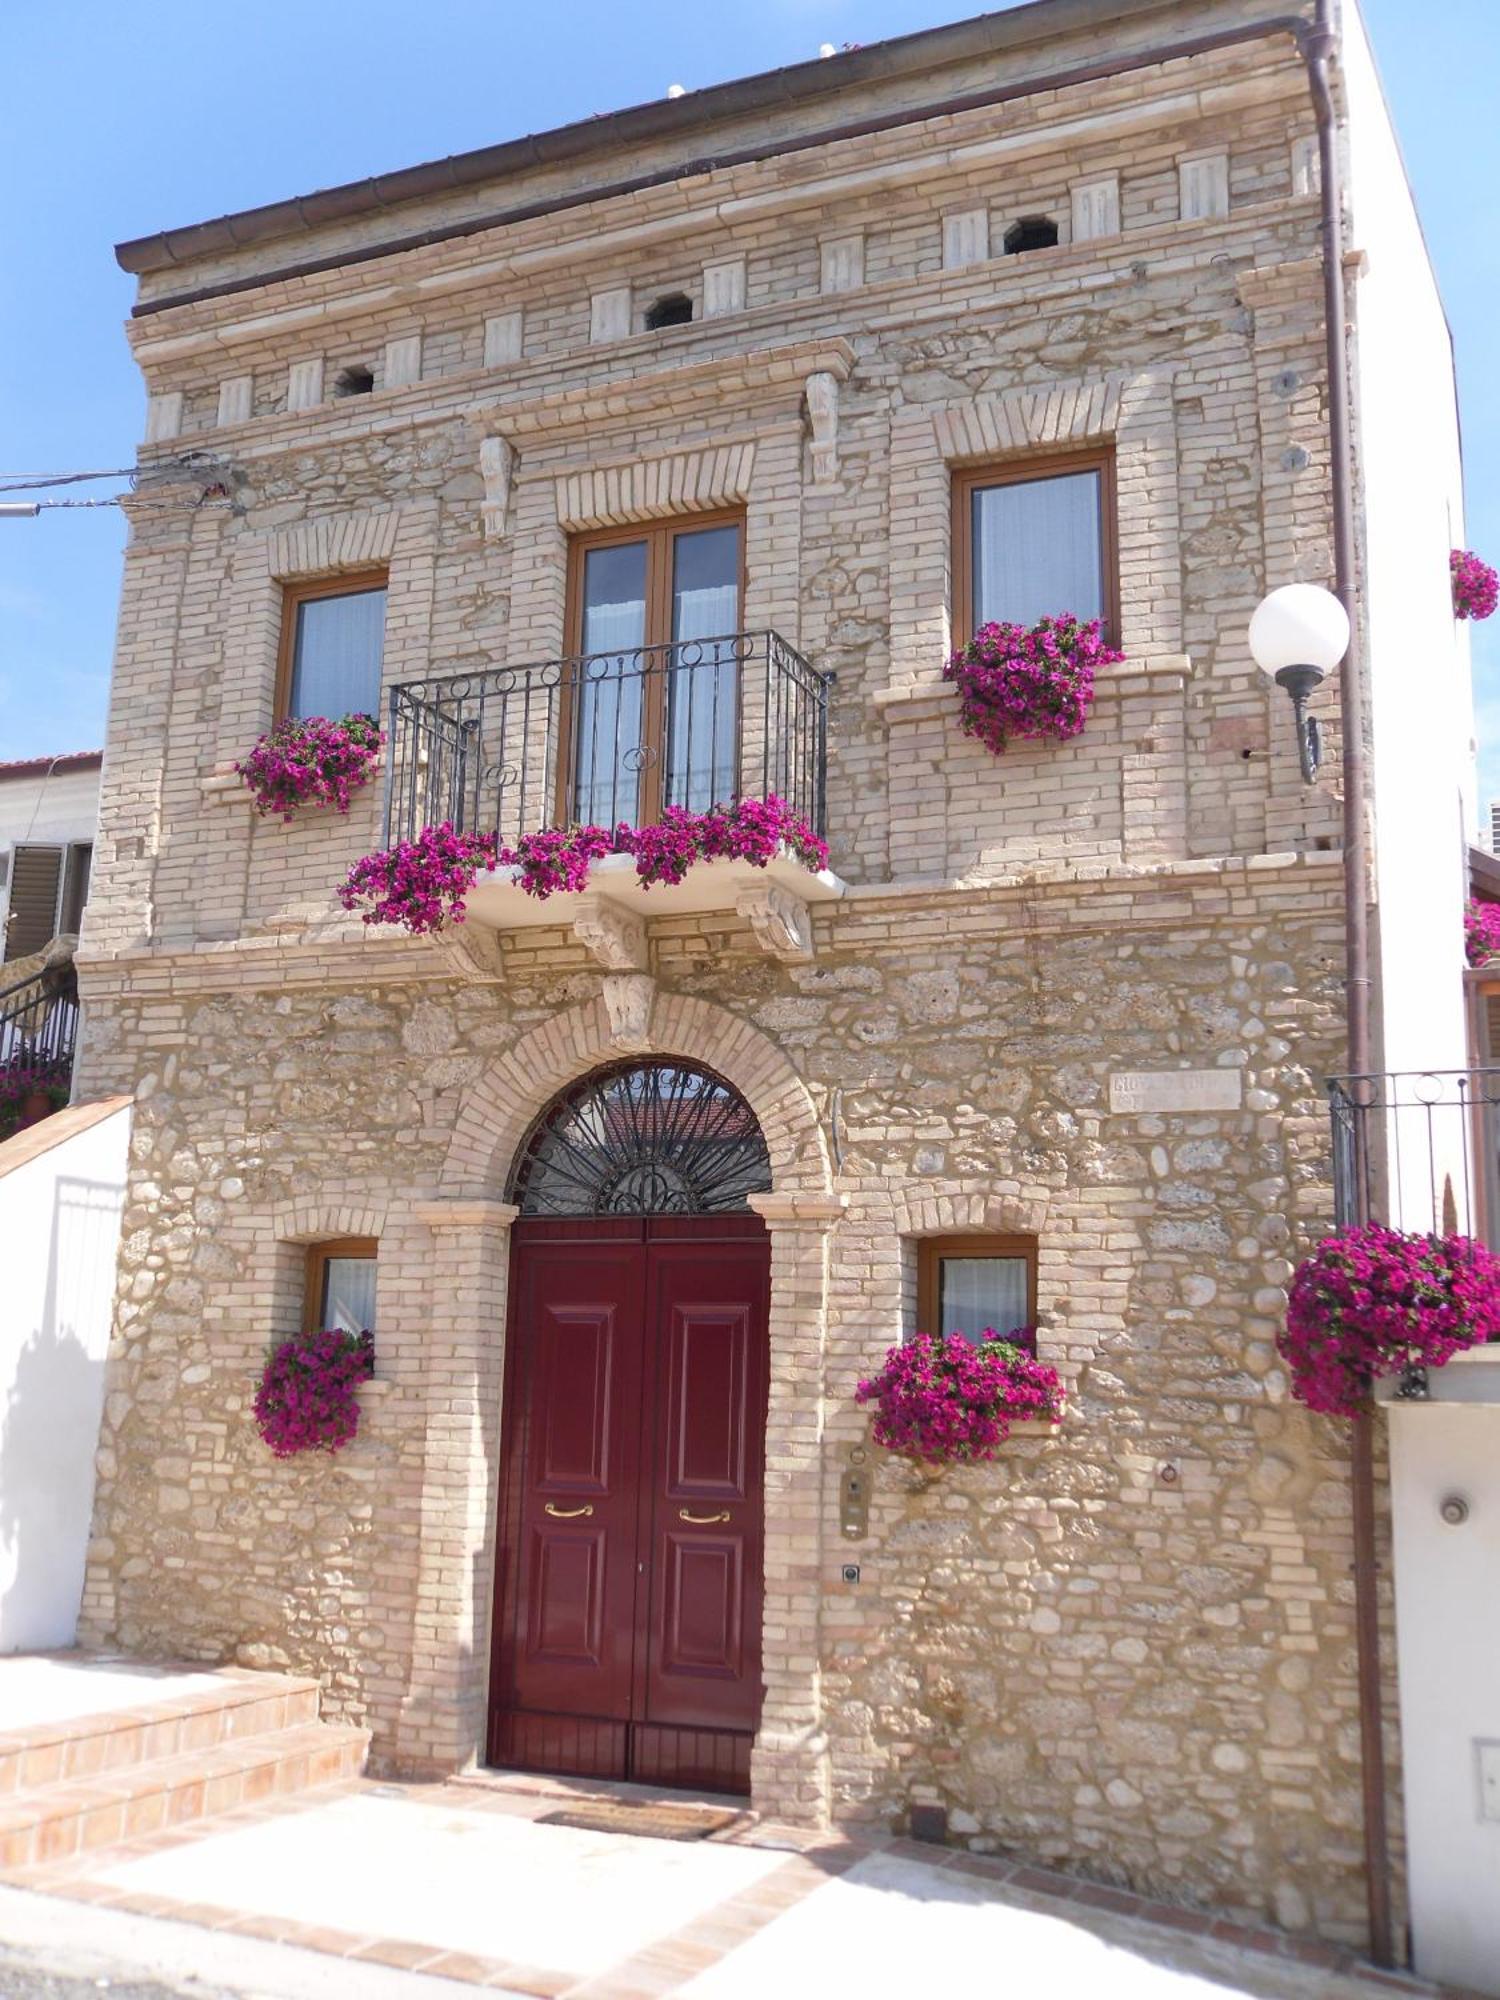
336,664
979,1292
1037,550
349,1295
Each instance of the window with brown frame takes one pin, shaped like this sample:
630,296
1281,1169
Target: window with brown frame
1033,538
340,1286
975,1284
332,644
653,716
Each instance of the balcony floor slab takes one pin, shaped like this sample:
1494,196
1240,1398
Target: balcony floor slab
497,898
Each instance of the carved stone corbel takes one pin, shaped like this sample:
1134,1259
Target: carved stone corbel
627,1002
781,921
822,394
611,936
497,464
473,952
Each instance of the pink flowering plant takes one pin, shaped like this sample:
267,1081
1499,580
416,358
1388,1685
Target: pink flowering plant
1038,682
422,883
1481,932
305,1400
1476,587
953,1400
1371,1301
24,1076
311,760
752,830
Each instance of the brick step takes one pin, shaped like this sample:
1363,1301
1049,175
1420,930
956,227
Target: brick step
243,1704
73,1816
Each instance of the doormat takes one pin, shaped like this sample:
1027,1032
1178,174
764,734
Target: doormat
650,1822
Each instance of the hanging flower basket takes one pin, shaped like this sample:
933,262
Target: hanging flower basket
423,883
1038,682
311,760
1481,932
1476,587
1372,1301
306,1399
953,1401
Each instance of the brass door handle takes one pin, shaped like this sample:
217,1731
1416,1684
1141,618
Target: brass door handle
701,1520
566,1513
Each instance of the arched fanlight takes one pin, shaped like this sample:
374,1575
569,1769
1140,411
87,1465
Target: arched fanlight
643,1138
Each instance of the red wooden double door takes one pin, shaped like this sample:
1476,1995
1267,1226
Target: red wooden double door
628,1592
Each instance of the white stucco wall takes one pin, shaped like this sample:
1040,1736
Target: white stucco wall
60,1228
1448,1647
1408,462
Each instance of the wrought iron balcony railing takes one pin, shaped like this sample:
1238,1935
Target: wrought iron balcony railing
606,737
1420,1150
39,1018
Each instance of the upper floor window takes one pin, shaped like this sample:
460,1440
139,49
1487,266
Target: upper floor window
340,1290
1032,539
974,1284
653,716
332,641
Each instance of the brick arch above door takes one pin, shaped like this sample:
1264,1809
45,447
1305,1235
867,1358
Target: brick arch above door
498,1110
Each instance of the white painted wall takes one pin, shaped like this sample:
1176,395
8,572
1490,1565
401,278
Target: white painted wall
1418,656
1448,1648
60,1227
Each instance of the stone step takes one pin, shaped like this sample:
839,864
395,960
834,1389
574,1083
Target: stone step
239,1705
72,1816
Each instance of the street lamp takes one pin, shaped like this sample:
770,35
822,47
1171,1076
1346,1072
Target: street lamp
1297,635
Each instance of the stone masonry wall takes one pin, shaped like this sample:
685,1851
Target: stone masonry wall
1127,1649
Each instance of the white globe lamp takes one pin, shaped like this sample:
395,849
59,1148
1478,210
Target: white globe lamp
1298,635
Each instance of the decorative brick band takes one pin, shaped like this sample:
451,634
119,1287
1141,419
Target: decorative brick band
646,490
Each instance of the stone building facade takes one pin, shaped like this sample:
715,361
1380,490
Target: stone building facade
1126,1648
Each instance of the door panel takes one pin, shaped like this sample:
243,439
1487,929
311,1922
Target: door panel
567,1598
629,1567
702,1614
579,1391
708,1306
706,1375
572,1404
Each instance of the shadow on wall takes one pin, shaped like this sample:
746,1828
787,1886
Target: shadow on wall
51,1424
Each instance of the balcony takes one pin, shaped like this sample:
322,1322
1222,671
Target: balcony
619,736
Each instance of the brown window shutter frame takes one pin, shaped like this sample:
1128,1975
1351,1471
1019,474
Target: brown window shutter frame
31,922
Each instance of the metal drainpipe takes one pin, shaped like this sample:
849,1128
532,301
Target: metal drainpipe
1318,45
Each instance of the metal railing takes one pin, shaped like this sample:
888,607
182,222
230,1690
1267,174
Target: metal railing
611,736
1420,1150
39,1018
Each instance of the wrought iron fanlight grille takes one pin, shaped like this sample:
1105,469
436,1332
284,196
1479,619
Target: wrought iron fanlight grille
655,1138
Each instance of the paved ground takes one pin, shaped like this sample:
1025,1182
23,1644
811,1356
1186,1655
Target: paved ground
458,1883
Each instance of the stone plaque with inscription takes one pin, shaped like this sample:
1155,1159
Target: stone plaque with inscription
1175,1090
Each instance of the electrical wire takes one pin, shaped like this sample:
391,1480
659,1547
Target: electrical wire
14,482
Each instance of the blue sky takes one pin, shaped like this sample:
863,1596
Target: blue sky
126,119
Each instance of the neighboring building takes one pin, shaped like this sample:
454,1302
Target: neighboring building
1016,316
1494,826
49,807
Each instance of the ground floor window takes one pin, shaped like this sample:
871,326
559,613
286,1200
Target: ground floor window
966,1284
340,1288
